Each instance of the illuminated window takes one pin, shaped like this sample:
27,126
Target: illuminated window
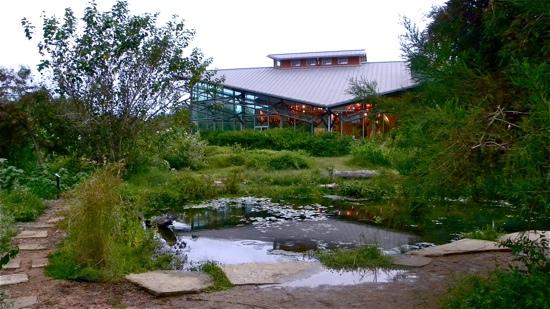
327,61
312,62
342,60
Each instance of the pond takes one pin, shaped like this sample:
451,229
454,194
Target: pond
257,230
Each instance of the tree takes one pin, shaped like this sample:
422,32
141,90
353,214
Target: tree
120,70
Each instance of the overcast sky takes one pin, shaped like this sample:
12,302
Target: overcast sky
240,33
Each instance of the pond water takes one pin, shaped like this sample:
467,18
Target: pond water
255,230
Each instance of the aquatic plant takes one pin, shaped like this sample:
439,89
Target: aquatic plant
366,256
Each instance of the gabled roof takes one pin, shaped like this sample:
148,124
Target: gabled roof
325,54
319,86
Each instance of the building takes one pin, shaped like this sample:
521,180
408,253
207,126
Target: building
308,90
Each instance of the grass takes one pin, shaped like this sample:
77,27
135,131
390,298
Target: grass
105,239
484,234
368,256
22,205
501,289
218,276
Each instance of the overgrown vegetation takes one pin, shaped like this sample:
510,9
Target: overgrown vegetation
283,139
105,239
501,289
484,234
218,276
366,256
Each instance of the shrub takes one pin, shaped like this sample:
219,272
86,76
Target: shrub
370,153
277,160
373,190
105,239
283,139
155,192
182,149
7,231
22,205
500,289
368,256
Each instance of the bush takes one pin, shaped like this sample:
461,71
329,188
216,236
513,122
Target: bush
7,231
182,149
500,290
105,239
368,256
283,139
22,205
281,160
370,153
155,192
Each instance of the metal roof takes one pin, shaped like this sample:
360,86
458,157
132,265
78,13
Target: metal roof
337,53
320,86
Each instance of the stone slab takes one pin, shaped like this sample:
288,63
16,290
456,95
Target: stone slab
41,226
531,235
13,279
55,219
355,174
13,263
166,283
39,262
23,302
266,273
32,234
32,247
460,247
410,260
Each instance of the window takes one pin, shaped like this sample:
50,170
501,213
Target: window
295,63
343,61
327,61
312,62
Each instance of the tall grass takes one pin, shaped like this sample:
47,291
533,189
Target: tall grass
105,239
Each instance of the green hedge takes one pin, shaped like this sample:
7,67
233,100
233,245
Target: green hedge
283,139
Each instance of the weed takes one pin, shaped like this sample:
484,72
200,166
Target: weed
21,204
218,276
484,234
105,239
368,256
501,289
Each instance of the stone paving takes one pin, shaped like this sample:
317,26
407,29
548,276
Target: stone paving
33,240
166,283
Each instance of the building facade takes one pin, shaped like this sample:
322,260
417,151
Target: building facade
301,90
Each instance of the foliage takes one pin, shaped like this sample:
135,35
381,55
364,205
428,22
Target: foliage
155,192
183,150
367,256
373,190
7,231
282,139
501,289
483,234
21,204
14,84
119,70
218,276
105,239
531,254
370,152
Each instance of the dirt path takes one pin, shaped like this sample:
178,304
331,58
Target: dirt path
424,291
